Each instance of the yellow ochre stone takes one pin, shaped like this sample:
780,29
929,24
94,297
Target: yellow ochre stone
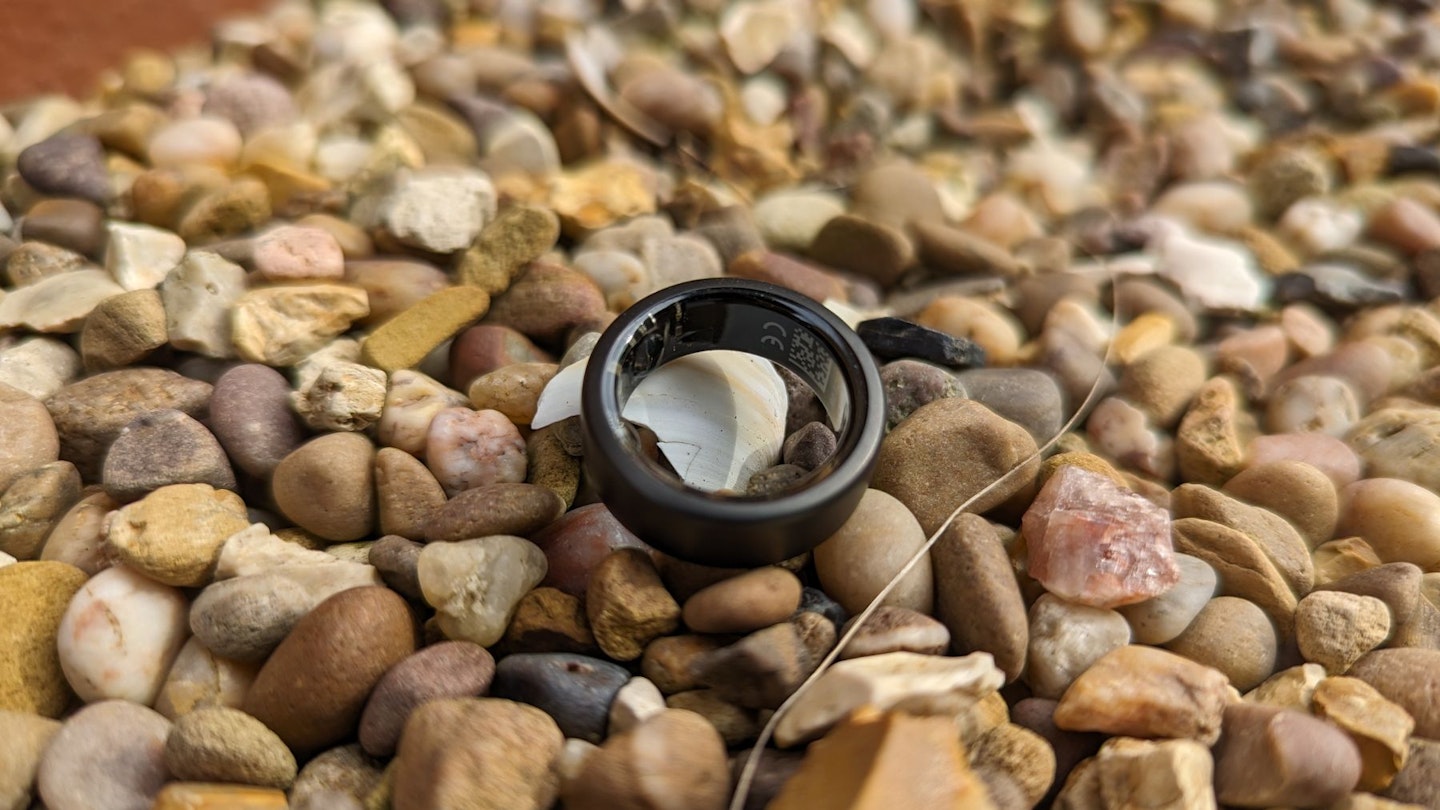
404,340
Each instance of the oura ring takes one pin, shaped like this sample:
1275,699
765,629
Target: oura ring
757,318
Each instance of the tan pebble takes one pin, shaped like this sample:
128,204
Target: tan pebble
1162,382
667,661
1327,454
883,534
1291,688
627,604
744,603
997,332
1308,331
1341,557
1154,773
675,758
33,504
1233,636
1150,330
1024,755
1399,520
1211,440
737,725
233,209
1380,729
174,534
1272,534
404,340
1408,677
518,235
208,796
279,326
977,596
1255,354
393,285
122,330
1294,490
465,449
550,465
1333,628
37,595
405,493
411,403
327,486
602,193
23,739
200,678
512,390
1400,443
1407,225
1144,692
1243,568
456,750
550,620
1280,757
344,396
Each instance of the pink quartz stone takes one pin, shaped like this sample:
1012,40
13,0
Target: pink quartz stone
1093,543
295,253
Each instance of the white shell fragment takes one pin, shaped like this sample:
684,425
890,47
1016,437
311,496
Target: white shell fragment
719,415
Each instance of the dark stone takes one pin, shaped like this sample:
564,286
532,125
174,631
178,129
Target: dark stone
575,690
1336,288
760,670
67,164
814,600
894,338
418,12
803,406
810,446
161,448
775,480
1412,159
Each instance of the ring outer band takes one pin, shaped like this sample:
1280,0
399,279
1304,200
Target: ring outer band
719,531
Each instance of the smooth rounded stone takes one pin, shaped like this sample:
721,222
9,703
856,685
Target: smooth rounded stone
1408,677
1271,757
226,745
1163,381
576,542
160,449
737,725
486,754
200,795
1161,619
28,435
1215,206
1400,520
1140,691
1380,729
1325,453
327,486
123,330
1399,443
675,758
466,449
251,417
119,636
294,253
910,384
1418,783
744,603
929,462
195,141
1335,628
397,560
313,688
39,366
977,596
1233,636
451,669
245,618
637,701
1211,441
486,347
995,331
575,690
1241,565
672,260
1066,639
1070,748
894,629
411,403
23,739
90,413
475,606
78,537
789,219
546,301
226,211
1272,534
174,535
393,285
405,494
514,390
1405,224
1313,404
809,447
110,754
865,553
58,303
345,771
66,164
896,193
873,250
959,252
520,234
1026,397
669,661
627,604
199,678
37,597
280,326
30,263
1285,176
31,506
621,276
1298,492
1020,753
764,668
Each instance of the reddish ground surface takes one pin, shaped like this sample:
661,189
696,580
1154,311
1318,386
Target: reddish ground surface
62,45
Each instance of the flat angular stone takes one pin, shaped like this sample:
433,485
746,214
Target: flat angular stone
1380,729
1144,692
58,303
139,256
198,294
280,326
1094,543
894,338
404,340
1170,774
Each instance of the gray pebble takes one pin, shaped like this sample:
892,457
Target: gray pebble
1027,397
67,164
446,670
162,448
809,447
397,558
775,480
251,417
908,384
575,690
89,414
109,754
246,618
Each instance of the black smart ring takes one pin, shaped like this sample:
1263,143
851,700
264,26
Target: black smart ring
760,319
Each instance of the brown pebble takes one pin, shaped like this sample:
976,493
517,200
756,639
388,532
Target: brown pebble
744,603
450,669
1411,679
627,604
517,509
406,494
327,486
1272,757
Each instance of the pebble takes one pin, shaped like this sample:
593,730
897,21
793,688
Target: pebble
1285,176
994,331
31,678
874,250
396,559
108,754
1163,381
513,390
909,384
1334,629
200,678
32,262
547,300
343,396
119,636
32,506
28,437
440,209
1151,773
1211,639
878,538
406,494
1020,753
393,285
1406,225
789,219
465,449
294,253
1298,492
744,603
1211,441
550,620
411,403
1094,543
1331,456
520,234
478,608
1028,397
251,417
1380,729
674,758
327,486
1066,640
1139,691
197,141
164,448
915,761
229,211
139,257
977,596
226,745
405,339
312,689
637,701
246,618
1399,443
1400,520
920,462
627,604
477,752
280,326
77,538
1161,619
1408,678
203,796
67,164
809,447
450,669
895,629
576,542
123,330
199,294
39,366
57,304
22,744
174,534
1270,757
1273,535
575,690
761,670
668,661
